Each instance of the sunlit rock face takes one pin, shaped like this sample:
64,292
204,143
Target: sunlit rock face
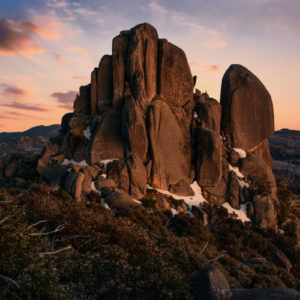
139,123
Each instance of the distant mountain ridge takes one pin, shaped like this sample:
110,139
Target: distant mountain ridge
41,130
29,142
285,151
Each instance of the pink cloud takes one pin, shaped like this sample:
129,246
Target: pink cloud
77,49
24,106
60,59
19,37
13,91
65,100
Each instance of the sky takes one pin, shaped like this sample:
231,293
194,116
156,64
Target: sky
48,48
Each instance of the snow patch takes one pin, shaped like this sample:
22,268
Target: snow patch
107,161
67,162
195,200
195,115
236,171
281,231
87,133
241,213
242,153
174,211
243,183
99,193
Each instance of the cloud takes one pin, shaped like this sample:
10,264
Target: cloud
13,91
19,105
60,59
205,67
77,49
215,41
79,77
19,37
65,100
16,39
213,68
57,4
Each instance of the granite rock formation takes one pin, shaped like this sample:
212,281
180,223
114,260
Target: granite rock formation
139,122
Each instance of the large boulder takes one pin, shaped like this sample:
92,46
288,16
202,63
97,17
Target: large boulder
247,109
107,140
263,187
141,64
120,200
263,151
119,52
170,144
209,152
209,112
102,86
118,172
82,103
175,81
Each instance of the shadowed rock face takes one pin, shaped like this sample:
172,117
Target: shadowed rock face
247,109
141,112
175,81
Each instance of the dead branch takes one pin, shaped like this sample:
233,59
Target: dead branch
37,223
70,238
10,216
216,258
10,280
5,201
57,229
205,246
55,252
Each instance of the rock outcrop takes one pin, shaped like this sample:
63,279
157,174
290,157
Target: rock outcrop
139,123
247,109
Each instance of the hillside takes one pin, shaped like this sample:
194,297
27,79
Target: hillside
29,142
285,151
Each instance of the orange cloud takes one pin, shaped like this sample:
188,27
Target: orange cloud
79,77
60,59
19,37
65,100
77,49
215,41
213,68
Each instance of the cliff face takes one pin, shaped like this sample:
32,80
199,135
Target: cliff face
139,123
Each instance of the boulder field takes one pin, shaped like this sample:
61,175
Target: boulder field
140,124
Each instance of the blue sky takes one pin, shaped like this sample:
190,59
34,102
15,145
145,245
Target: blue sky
49,48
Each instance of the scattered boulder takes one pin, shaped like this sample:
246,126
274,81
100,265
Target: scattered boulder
120,200
210,284
247,109
181,188
117,171
278,257
11,169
